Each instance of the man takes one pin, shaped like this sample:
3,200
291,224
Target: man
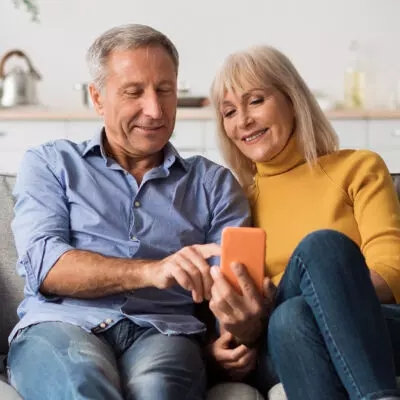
113,235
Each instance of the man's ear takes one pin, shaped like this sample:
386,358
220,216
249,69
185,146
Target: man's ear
97,99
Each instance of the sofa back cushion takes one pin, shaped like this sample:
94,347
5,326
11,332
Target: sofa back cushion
11,285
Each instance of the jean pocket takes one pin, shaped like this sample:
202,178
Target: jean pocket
19,333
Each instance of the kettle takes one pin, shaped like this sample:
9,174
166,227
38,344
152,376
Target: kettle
18,87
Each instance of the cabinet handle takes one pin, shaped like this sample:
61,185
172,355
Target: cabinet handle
396,133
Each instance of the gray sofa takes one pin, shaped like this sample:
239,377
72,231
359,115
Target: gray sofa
11,293
11,285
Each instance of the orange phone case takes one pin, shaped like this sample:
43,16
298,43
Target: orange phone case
246,246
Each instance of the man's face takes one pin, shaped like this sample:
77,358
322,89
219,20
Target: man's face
138,101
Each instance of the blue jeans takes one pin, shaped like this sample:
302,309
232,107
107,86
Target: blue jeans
59,361
328,337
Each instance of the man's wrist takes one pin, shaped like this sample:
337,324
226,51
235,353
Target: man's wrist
253,338
141,274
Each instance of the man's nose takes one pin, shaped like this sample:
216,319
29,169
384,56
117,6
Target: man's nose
152,106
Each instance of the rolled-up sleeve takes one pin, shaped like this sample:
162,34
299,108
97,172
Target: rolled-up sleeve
41,217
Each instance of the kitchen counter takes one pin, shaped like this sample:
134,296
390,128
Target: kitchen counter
48,114
201,113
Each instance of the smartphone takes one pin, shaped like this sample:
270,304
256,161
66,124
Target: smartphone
246,246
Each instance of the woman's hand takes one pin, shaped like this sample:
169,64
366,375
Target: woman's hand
237,362
241,314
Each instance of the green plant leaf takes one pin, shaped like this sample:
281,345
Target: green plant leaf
30,6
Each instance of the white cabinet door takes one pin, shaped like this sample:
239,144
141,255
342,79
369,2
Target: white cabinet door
9,161
79,131
189,135
17,136
211,135
352,133
384,134
215,155
212,151
392,160
384,139
20,135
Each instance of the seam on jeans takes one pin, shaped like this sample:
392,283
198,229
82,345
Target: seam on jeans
330,337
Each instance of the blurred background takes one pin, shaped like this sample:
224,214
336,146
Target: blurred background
348,51
323,38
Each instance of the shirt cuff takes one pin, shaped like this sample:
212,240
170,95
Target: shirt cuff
40,258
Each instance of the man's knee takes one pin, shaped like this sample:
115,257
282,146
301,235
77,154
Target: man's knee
72,360
172,365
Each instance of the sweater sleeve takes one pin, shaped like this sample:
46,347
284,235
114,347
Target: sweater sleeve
377,212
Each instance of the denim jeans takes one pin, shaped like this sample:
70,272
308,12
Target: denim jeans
329,337
59,361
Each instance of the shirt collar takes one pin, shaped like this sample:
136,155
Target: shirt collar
171,155
95,143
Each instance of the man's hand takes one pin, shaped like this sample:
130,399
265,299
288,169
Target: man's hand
236,362
188,268
242,315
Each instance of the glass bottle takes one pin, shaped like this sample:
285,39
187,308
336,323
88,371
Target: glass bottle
354,80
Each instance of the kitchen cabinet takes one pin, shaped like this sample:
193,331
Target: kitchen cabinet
352,133
79,131
384,138
17,136
194,133
189,135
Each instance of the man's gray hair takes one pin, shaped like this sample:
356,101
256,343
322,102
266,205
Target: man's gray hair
121,38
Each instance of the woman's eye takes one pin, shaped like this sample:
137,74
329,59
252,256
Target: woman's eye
228,113
258,100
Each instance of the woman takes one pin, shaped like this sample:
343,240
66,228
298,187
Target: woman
332,220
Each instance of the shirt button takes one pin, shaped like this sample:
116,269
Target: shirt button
109,321
103,325
137,204
133,238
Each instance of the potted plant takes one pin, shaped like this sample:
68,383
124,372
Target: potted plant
30,6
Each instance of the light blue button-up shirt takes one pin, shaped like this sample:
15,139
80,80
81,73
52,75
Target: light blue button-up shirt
72,196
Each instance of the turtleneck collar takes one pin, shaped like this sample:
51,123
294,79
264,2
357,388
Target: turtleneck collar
289,158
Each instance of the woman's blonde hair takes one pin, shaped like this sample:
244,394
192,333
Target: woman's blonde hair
266,67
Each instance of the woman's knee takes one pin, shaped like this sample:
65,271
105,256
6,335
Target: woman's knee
290,323
331,249
326,240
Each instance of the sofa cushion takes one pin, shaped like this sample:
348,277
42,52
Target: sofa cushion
237,391
7,392
11,285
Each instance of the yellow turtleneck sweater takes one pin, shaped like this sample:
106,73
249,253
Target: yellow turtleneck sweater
349,191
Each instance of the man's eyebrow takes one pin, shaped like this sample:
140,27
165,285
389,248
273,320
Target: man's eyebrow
166,82
132,84
140,84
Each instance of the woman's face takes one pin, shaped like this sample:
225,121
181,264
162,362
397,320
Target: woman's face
259,121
